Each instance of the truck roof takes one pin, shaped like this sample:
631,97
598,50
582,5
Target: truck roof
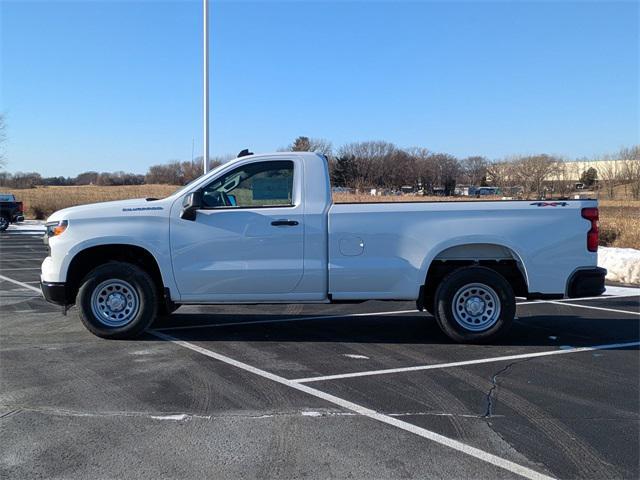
284,154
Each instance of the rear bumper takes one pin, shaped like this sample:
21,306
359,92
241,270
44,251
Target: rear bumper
55,292
588,282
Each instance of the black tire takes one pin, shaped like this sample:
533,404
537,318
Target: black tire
498,296
4,223
143,290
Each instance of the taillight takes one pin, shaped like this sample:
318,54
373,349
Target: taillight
20,208
591,214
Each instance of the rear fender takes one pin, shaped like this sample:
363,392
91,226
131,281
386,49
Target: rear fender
471,240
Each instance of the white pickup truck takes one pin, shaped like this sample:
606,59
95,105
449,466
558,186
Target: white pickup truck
264,229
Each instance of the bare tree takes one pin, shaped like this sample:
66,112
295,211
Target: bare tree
307,144
562,181
86,178
374,162
610,174
474,170
630,158
501,174
425,169
25,180
533,171
447,171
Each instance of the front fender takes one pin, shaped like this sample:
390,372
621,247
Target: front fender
54,270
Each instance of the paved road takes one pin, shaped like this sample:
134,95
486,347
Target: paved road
352,392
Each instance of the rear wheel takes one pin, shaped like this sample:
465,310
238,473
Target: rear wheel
117,300
474,305
4,223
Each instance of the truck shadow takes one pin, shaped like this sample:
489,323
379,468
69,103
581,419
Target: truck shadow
535,330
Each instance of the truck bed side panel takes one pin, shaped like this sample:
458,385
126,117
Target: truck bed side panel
383,250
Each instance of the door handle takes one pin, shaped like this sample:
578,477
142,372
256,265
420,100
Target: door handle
284,223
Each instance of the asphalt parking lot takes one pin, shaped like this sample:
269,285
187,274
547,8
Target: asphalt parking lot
317,391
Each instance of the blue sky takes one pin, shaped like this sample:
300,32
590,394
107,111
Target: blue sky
93,85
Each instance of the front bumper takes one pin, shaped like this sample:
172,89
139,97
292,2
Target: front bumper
588,282
55,292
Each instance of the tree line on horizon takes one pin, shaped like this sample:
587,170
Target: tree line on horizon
383,165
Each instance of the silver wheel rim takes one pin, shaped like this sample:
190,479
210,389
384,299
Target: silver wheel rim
114,303
476,307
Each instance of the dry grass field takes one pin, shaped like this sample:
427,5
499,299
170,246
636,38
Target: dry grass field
620,223
41,202
619,219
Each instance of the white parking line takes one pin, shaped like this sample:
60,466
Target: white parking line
22,284
12,259
466,362
615,310
367,412
19,268
284,320
631,293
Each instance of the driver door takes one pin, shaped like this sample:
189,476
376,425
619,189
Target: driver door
246,242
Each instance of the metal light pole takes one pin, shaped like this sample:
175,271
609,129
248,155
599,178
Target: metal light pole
205,14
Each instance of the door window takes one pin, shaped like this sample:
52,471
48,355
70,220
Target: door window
259,184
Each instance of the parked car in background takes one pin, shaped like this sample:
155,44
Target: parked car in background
11,211
485,191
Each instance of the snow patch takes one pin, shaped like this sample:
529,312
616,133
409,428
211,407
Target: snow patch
311,414
143,352
28,227
622,264
621,291
179,417
357,357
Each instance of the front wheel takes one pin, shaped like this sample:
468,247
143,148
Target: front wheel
4,223
474,305
117,300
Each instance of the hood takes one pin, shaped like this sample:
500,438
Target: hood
112,209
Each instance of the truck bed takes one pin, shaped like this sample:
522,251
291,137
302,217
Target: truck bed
384,249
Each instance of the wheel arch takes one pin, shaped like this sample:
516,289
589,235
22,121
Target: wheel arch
86,259
492,253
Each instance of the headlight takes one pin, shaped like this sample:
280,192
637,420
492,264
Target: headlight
56,228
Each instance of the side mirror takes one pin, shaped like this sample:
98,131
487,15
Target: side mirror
190,205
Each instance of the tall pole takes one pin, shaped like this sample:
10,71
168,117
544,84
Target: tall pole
205,14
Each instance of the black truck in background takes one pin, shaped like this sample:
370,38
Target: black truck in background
11,211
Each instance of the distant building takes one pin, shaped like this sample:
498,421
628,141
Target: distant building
575,169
